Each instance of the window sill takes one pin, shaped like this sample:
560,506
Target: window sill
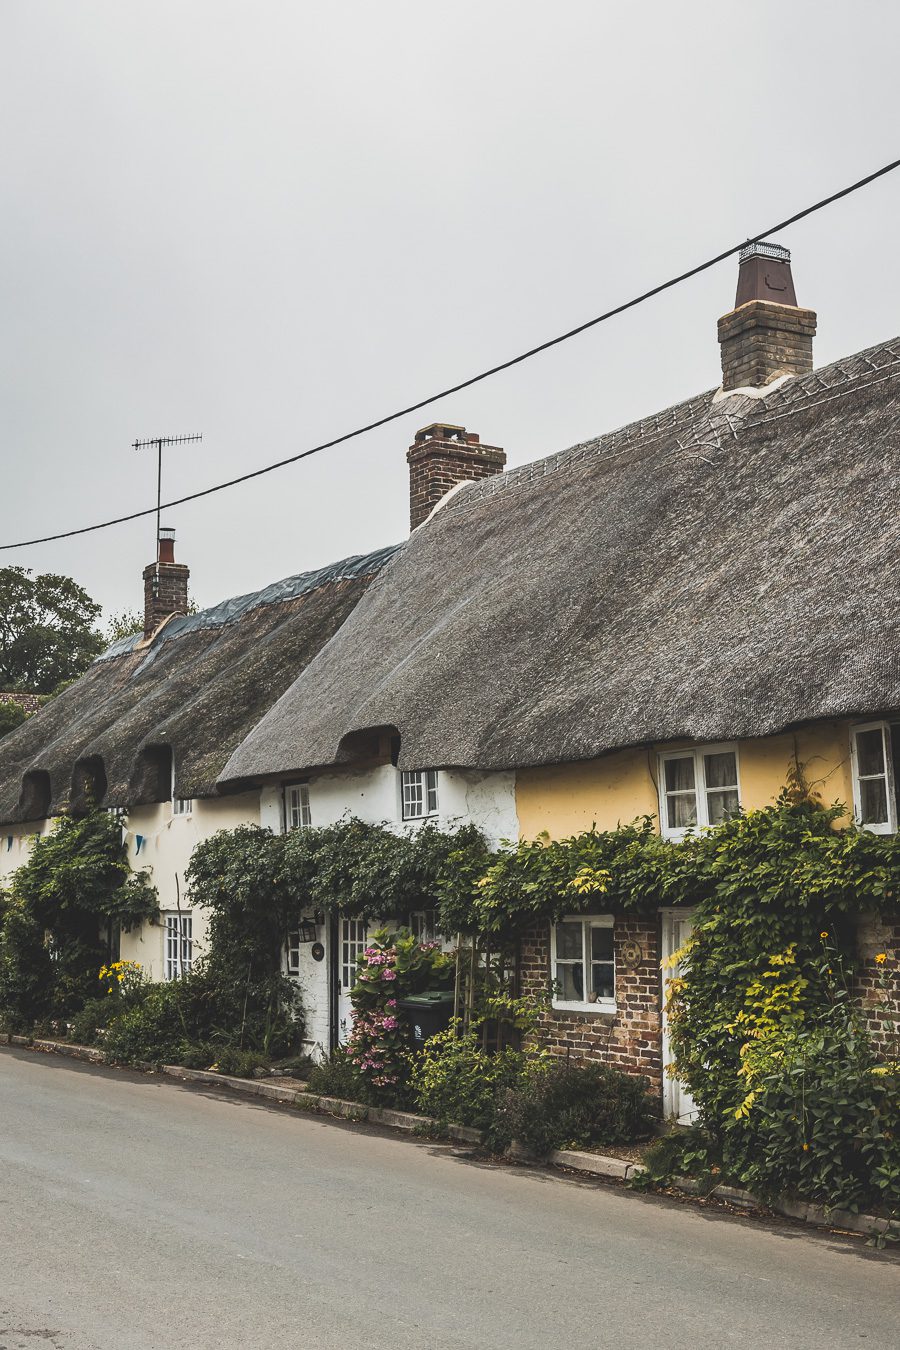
606,1006
412,820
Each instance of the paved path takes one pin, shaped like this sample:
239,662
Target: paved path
136,1213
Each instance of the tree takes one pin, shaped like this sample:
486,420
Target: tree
127,624
12,715
47,632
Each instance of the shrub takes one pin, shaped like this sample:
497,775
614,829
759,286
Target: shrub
393,966
151,1032
555,1105
336,1077
93,1018
456,1082
207,1007
241,1063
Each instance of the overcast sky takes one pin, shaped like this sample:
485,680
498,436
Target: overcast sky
273,221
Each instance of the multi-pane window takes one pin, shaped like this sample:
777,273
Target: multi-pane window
420,793
292,948
423,925
583,962
353,943
697,788
179,947
296,807
874,796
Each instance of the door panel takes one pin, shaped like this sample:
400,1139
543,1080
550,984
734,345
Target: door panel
353,939
678,1104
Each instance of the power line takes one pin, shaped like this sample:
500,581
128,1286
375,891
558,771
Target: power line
474,379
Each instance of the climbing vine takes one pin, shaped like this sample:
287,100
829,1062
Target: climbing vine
58,917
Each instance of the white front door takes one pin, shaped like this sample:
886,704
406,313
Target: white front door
352,939
678,1104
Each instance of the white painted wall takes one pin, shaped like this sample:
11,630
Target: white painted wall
168,842
15,844
373,795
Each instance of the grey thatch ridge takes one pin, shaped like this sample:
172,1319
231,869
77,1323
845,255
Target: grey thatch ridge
196,690
726,568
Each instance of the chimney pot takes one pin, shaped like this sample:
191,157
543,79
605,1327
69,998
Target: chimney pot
767,334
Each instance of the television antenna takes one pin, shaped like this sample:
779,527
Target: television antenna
159,442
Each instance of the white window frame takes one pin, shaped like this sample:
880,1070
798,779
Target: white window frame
888,826
587,921
354,938
178,944
418,794
292,952
297,814
423,925
696,753
181,806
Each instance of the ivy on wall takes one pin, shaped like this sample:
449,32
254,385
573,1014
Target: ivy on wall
58,914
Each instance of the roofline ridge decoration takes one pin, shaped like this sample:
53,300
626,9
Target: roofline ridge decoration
798,386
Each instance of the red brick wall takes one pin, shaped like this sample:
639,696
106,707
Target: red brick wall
880,1004
165,593
439,458
630,1038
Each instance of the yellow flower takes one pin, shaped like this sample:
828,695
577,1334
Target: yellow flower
806,1148
881,957
824,934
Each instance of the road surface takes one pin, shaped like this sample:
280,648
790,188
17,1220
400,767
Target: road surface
136,1213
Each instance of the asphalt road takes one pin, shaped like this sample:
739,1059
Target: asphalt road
138,1213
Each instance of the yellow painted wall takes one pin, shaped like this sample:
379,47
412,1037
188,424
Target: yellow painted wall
565,799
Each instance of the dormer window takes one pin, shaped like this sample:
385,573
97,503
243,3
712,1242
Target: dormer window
419,791
297,815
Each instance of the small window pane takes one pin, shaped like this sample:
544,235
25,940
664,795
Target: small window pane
870,752
568,941
873,797
601,944
722,806
571,983
680,774
602,980
721,769
682,811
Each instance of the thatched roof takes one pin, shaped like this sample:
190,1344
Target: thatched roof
725,569
193,691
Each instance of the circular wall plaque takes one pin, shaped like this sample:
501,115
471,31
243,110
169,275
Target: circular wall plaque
631,954
317,951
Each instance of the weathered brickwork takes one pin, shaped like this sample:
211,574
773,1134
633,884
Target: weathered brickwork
761,341
630,1038
165,593
442,456
876,986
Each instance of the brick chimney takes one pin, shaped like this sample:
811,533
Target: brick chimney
442,456
165,585
767,334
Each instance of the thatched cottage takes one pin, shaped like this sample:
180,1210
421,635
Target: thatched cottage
147,730
657,621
